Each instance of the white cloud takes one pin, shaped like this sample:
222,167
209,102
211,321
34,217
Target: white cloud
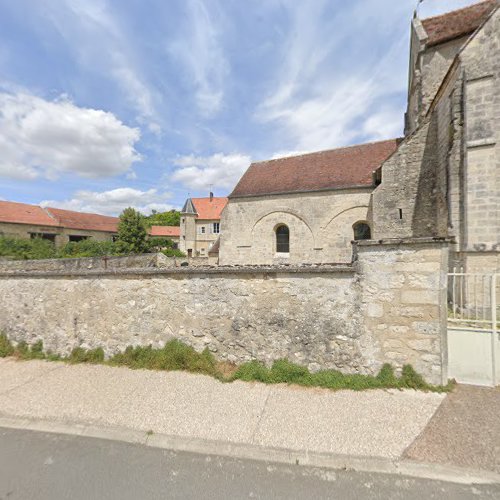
316,104
48,138
114,201
220,170
93,32
202,55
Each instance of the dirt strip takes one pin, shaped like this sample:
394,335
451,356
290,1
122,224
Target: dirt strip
465,431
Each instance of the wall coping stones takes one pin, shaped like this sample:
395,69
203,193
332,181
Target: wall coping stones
403,241
152,272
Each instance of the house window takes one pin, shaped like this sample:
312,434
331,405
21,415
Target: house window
76,238
362,231
216,227
202,230
43,236
282,239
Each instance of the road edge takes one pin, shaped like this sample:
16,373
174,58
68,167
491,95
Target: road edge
261,453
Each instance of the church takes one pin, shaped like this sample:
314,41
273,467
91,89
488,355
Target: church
441,180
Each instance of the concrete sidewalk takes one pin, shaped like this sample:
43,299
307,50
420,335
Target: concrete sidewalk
183,410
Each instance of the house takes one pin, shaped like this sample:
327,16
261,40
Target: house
441,180
173,233
21,220
201,224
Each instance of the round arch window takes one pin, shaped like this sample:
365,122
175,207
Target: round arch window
282,239
362,231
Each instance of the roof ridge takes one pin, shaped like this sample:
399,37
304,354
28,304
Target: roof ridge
471,6
82,213
328,150
208,197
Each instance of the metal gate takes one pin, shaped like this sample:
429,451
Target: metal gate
474,328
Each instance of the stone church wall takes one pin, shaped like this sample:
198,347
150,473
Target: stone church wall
320,226
481,63
383,308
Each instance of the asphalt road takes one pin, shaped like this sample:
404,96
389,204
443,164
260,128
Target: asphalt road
42,466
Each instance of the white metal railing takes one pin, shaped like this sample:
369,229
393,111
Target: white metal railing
473,299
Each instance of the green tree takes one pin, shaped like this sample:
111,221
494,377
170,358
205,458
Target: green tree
132,230
170,218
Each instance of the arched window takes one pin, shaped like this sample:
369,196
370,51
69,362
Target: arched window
282,239
362,231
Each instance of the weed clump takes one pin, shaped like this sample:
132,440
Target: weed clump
81,355
6,347
175,355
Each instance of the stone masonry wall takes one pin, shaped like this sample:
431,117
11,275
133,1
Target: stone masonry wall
61,234
480,60
320,224
385,308
405,204
404,311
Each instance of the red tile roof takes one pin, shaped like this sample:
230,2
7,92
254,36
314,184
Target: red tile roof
209,208
458,23
337,168
86,221
165,231
21,213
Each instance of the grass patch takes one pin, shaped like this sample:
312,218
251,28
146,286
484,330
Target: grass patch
176,355
6,348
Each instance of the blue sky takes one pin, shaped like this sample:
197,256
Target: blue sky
111,103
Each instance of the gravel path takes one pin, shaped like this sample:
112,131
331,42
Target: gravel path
465,431
381,423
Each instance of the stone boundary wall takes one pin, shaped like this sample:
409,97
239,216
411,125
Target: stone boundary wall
384,308
149,260
404,302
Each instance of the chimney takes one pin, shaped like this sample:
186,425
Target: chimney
211,196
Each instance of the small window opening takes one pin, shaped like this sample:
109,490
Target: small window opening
282,239
362,231
44,236
400,214
76,238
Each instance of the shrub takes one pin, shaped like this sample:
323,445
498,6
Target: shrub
173,252
92,248
159,244
6,347
19,248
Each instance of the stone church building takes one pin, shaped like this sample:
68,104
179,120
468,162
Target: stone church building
441,180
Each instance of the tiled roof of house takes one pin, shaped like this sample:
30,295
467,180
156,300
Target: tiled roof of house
334,169
209,208
86,221
165,231
457,23
22,213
